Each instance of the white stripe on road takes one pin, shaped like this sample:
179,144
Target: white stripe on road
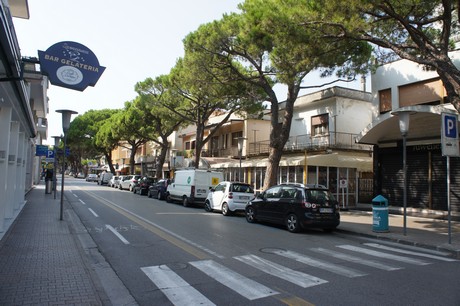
178,291
384,247
408,260
298,278
240,284
347,272
110,228
356,259
93,212
82,201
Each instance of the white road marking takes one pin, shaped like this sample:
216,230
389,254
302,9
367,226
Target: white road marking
383,247
240,284
178,291
93,212
356,259
81,201
110,228
347,272
408,260
107,202
298,278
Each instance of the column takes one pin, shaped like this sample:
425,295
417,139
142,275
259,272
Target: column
5,119
11,181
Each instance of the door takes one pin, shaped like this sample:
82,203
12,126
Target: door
217,196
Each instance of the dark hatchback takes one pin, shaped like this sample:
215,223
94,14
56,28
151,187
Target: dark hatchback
297,206
143,184
158,190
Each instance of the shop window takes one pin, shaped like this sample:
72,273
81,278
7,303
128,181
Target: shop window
320,125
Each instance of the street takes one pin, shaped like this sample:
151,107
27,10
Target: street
166,254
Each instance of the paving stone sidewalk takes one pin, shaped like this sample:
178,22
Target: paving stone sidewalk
41,261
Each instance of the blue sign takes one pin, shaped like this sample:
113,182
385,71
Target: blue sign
71,65
50,154
450,126
41,150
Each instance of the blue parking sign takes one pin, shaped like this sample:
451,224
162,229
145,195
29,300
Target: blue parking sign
449,135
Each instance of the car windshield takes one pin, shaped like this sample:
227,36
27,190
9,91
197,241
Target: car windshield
241,188
319,196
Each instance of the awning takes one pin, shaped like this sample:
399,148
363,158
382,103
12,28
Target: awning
362,163
424,123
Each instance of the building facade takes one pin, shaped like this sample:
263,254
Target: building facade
23,112
406,86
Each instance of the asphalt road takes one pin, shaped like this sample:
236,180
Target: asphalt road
167,254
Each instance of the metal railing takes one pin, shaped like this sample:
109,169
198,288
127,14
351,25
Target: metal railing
308,142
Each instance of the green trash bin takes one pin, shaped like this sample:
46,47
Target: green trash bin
380,214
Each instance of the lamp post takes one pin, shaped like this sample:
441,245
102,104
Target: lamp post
173,154
404,118
66,115
57,140
240,152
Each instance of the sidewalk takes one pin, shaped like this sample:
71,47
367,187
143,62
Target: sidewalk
50,262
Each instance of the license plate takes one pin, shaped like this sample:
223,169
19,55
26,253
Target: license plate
326,210
244,197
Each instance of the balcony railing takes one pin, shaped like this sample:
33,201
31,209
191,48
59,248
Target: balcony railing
308,142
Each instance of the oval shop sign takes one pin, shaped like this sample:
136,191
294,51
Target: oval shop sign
71,65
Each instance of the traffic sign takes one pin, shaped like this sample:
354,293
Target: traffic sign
449,135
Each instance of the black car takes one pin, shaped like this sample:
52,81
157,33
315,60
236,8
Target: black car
297,206
142,185
158,190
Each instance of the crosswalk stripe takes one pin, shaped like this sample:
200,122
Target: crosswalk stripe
384,247
357,259
178,291
240,284
347,272
408,260
298,278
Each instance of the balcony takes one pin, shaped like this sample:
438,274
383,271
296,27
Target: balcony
307,142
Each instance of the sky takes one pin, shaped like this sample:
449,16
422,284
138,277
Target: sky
133,39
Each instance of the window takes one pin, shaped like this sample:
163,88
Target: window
320,125
235,137
187,145
220,187
273,193
425,92
385,100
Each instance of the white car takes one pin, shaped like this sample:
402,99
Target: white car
113,181
128,182
91,177
229,197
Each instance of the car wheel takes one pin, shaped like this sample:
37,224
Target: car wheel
250,215
225,210
292,223
159,195
207,206
168,198
185,202
149,194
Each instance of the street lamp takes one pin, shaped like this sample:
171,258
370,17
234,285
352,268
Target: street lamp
240,152
66,115
57,140
404,118
173,154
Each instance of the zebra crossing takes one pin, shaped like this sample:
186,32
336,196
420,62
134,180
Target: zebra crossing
179,292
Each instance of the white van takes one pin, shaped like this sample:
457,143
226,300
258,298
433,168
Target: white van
192,186
104,178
